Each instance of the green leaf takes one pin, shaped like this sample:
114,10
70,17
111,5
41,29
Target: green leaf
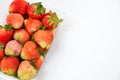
42,10
41,52
60,20
32,62
32,38
1,47
53,19
51,22
42,28
39,9
39,4
8,27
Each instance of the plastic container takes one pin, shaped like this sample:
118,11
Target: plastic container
4,13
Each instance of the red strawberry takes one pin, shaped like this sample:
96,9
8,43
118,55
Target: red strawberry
32,25
43,38
15,20
26,71
13,48
21,36
50,20
38,62
30,51
18,6
36,10
9,65
6,34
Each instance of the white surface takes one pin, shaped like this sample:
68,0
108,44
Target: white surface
87,45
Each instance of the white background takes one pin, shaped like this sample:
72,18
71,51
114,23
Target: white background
87,44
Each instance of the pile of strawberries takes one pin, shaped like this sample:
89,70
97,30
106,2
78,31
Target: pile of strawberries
26,38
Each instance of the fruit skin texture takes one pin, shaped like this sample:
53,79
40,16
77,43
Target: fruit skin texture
50,20
32,25
38,62
13,48
2,53
43,38
29,51
26,71
15,20
21,36
6,35
36,10
9,65
18,6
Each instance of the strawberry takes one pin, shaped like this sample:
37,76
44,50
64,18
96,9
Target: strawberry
18,6
6,34
38,62
9,65
21,35
26,71
32,25
30,51
50,20
13,48
36,10
15,20
43,38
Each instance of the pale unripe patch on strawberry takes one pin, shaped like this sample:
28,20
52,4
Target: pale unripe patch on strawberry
9,72
13,48
26,71
21,36
48,46
44,45
16,25
18,36
23,56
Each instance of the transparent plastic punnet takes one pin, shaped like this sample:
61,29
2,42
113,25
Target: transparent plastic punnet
4,13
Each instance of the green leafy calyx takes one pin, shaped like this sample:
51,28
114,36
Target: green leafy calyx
39,8
41,53
53,19
8,27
